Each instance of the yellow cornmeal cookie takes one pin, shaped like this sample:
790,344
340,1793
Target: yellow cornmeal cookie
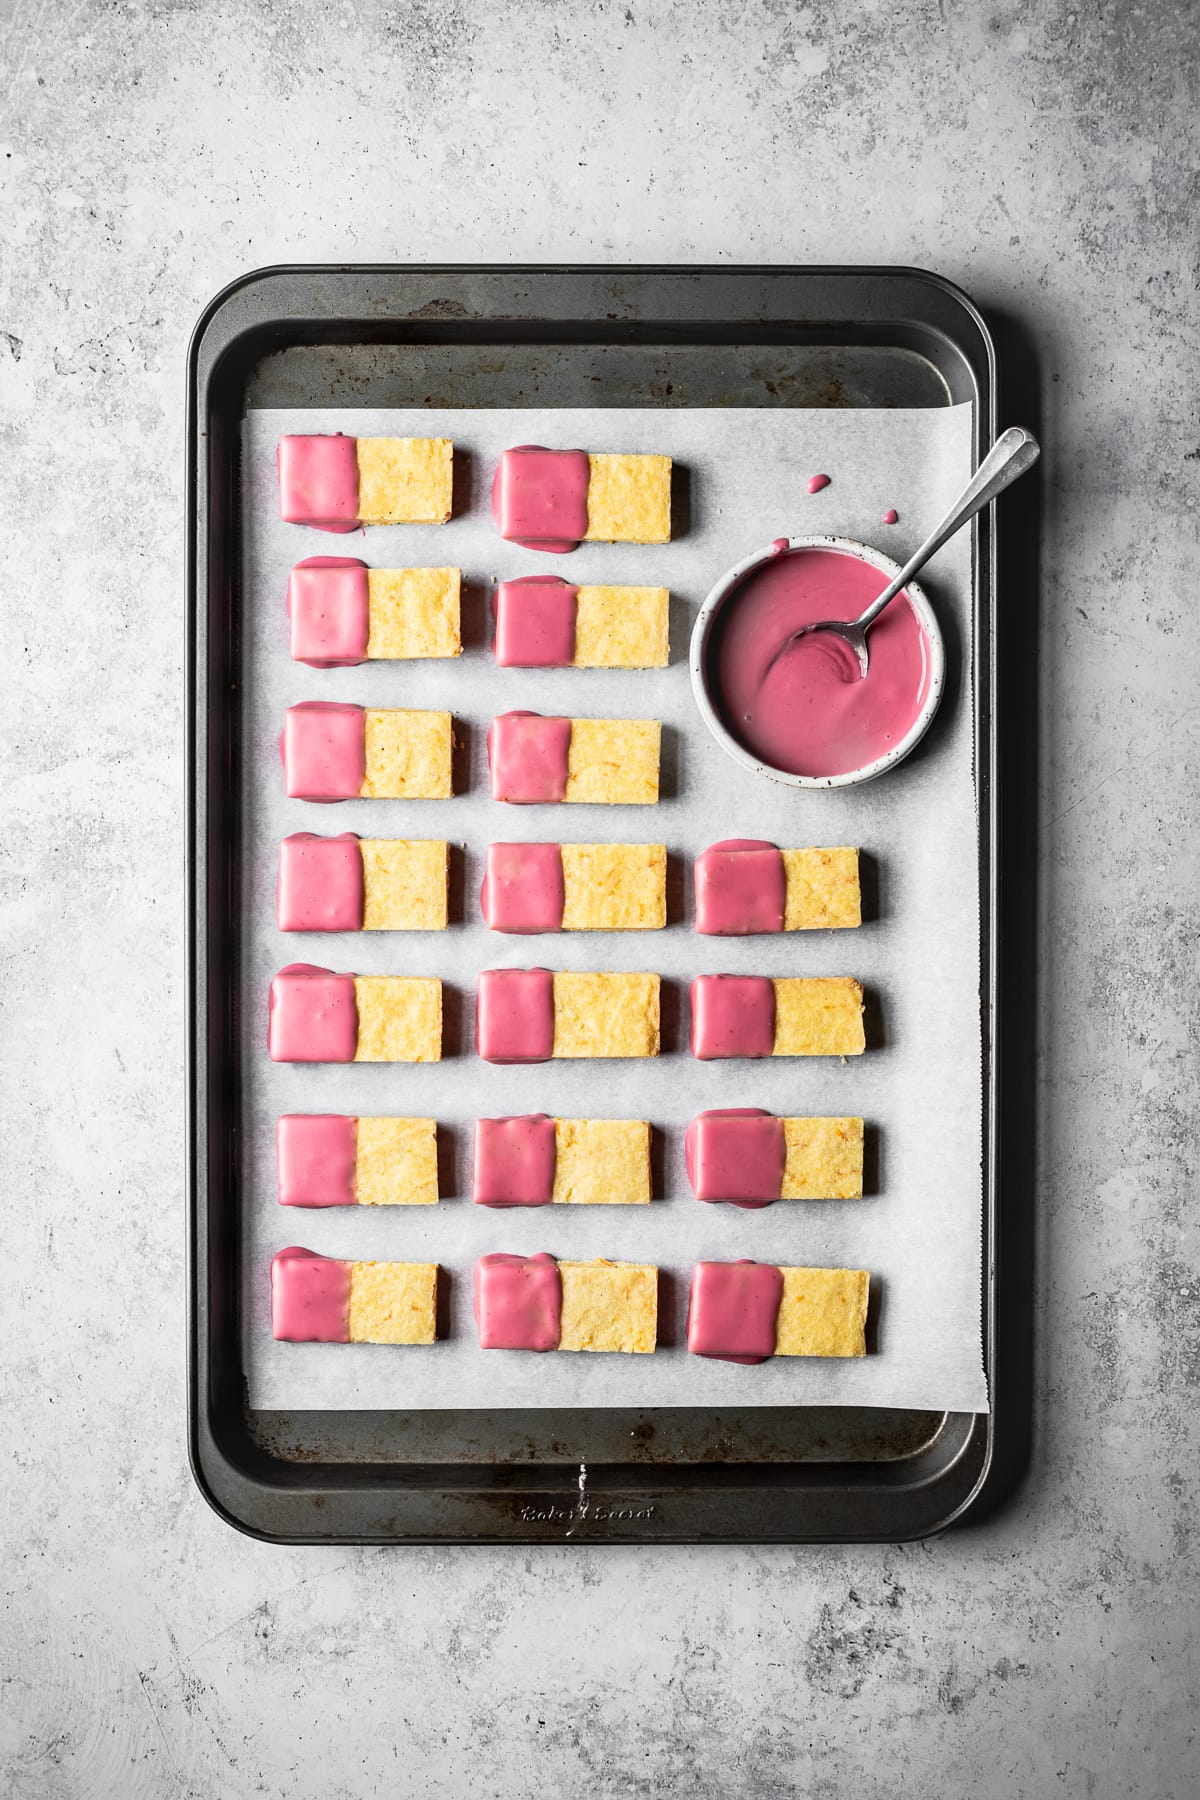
613,762
408,756
614,887
824,1159
601,1162
413,612
609,1306
393,1303
819,1015
629,500
822,889
605,1015
404,481
405,884
399,1018
823,1312
621,628
395,1162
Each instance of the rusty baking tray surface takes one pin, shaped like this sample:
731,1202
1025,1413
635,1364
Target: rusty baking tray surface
508,337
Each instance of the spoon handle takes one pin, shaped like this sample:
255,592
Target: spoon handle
1014,451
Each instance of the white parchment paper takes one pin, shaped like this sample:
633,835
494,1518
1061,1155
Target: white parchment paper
919,1084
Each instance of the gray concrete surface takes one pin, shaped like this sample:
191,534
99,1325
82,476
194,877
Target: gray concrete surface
1043,155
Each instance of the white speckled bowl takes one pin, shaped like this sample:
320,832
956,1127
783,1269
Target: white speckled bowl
702,636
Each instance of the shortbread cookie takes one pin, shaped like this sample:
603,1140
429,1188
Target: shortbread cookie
575,887
532,1015
745,1312
602,762
335,751
538,1161
343,613
347,883
329,1159
744,886
534,1303
318,1016
750,1158
337,483
755,1015
554,500
325,1300
543,622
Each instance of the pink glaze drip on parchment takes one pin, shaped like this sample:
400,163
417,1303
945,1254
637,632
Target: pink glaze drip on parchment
732,1015
514,1015
741,888
815,483
318,481
523,888
310,1297
320,883
539,497
802,706
514,1161
738,1155
313,1016
733,1309
328,604
528,758
324,750
518,1302
535,622
315,1155
891,516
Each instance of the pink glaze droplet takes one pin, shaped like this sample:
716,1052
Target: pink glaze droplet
778,546
891,516
817,482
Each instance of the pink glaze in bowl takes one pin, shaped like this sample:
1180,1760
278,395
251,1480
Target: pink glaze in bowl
712,623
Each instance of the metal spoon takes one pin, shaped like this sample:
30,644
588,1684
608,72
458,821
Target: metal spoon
1014,451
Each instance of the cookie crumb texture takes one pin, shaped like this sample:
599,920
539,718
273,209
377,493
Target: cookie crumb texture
629,499
614,887
393,1303
613,762
609,1306
408,756
823,1312
621,628
399,1018
405,884
606,1015
818,1016
414,613
404,481
395,1162
601,1162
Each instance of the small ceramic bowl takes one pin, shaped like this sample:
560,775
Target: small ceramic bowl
702,634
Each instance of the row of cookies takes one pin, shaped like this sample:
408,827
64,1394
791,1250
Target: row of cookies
739,1156
744,1312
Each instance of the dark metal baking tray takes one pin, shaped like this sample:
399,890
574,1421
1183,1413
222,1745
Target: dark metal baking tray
568,336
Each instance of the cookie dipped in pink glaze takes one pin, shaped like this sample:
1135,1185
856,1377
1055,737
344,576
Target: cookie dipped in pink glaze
318,481
741,888
518,1302
324,750
320,883
313,1016
733,1309
514,1015
310,1297
736,1155
315,1157
514,1161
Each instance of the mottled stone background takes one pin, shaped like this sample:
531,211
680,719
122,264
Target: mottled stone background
1042,155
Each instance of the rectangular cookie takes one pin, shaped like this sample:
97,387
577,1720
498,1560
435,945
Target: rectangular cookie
543,622
554,500
534,1303
750,1158
532,1015
347,883
343,613
599,762
329,1159
744,886
336,482
745,1312
336,751
575,887
758,1015
319,1016
323,1299
537,1161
